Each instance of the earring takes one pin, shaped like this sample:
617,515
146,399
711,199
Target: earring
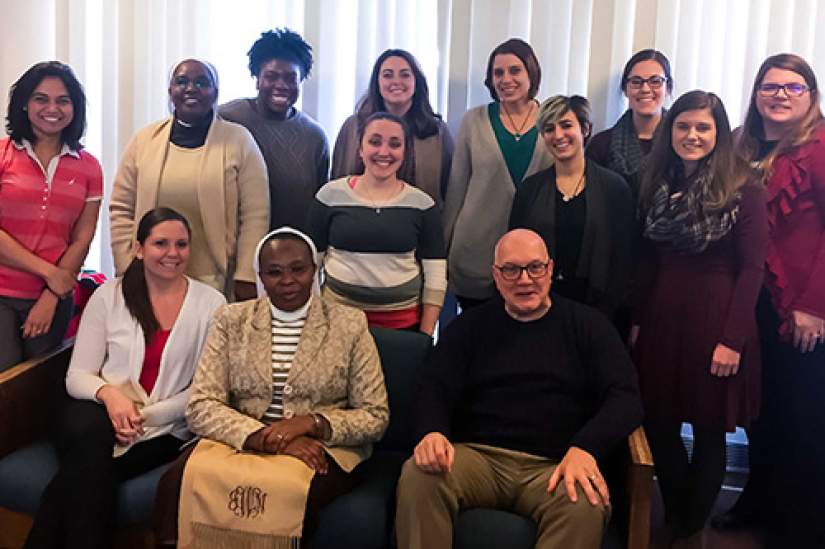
25,108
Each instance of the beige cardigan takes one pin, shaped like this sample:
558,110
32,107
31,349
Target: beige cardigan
232,188
336,372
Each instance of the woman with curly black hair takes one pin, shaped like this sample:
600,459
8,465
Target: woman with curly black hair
293,145
398,86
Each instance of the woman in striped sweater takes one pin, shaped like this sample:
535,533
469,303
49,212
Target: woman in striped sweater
379,237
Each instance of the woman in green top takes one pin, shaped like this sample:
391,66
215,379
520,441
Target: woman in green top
497,147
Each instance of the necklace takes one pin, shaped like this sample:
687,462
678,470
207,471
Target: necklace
518,135
370,199
576,190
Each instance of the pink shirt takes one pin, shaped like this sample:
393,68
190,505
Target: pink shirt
40,206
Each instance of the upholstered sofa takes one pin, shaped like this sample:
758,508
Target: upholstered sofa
31,392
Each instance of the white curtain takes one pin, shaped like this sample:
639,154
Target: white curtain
122,50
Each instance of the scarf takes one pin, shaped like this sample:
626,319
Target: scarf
678,220
625,150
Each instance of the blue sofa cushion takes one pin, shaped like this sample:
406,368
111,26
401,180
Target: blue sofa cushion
24,475
483,528
402,353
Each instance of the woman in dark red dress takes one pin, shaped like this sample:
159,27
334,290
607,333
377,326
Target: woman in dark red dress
697,350
784,136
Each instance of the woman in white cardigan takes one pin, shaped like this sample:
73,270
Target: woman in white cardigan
135,354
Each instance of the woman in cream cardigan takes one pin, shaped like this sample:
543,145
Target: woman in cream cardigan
208,169
130,377
288,398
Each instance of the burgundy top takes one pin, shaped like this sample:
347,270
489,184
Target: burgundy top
796,215
151,360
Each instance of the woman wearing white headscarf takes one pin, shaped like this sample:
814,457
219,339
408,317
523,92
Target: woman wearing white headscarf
289,397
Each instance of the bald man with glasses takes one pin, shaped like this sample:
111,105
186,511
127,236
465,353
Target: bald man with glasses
519,401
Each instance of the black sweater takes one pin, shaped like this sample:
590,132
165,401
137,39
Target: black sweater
538,387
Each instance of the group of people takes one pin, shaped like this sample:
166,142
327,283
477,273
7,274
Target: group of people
696,249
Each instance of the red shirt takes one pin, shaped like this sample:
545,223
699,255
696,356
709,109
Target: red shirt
796,214
151,360
40,206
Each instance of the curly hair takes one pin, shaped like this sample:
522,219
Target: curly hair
280,44
19,126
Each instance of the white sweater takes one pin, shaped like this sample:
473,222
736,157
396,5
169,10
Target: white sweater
109,349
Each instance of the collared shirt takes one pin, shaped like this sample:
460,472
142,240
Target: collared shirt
39,206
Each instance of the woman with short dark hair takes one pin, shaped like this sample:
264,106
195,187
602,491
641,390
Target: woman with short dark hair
697,350
584,212
398,85
646,82
497,147
130,379
207,168
50,191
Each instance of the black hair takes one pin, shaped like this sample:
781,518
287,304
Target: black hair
420,117
18,124
647,55
280,44
525,53
407,167
133,284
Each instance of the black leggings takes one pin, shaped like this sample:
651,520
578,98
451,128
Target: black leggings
79,506
689,486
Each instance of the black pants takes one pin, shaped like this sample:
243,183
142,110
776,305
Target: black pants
13,313
79,506
786,487
322,491
689,486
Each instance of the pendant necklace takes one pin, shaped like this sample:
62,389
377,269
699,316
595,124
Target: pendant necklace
369,197
518,135
576,190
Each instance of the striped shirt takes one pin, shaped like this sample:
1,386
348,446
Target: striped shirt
39,206
286,333
380,257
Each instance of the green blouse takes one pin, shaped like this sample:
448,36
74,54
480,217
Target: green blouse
517,152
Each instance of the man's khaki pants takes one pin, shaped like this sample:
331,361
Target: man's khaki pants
485,476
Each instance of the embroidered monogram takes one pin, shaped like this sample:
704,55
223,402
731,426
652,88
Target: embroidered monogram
247,502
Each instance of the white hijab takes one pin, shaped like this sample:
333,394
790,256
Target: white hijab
256,262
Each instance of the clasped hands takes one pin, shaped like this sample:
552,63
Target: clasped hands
292,437
435,454
123,413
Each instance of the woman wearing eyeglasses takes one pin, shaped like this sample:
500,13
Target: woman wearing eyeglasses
646,81
583,211
209,170
697,351
784,136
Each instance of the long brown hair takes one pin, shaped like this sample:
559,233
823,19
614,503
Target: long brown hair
753,129
133,283
728,171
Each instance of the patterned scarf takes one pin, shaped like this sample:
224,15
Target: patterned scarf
679,221
625,150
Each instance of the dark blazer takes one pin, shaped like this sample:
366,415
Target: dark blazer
609,225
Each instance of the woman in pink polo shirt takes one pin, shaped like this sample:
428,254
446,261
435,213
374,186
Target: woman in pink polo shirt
50,192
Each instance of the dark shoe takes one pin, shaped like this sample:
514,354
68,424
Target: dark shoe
731,520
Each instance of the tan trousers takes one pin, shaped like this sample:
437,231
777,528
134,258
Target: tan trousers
485,476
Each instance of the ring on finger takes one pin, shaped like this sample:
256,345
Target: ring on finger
591,477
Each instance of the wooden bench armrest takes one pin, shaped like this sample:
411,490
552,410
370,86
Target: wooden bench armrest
29,393
639,490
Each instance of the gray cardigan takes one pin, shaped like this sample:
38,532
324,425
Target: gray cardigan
477,206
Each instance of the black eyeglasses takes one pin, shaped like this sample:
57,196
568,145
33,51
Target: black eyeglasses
792,89
199,83
655,82
510,271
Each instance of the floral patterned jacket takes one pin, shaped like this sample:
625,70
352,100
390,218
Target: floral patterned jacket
336,372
